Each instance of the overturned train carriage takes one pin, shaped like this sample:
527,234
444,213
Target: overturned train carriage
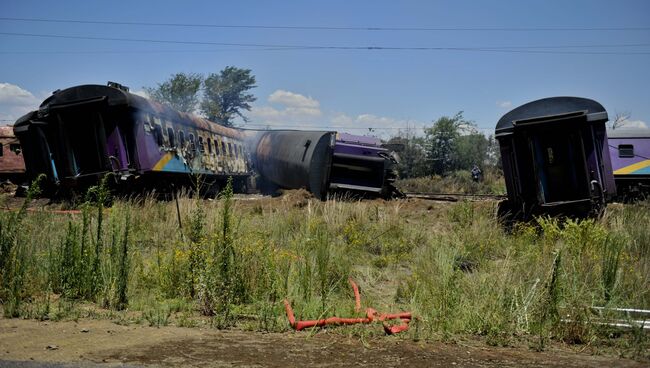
81,133
325,162
555,158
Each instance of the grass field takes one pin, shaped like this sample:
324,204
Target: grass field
235,259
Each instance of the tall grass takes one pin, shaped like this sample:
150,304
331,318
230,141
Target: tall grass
451,264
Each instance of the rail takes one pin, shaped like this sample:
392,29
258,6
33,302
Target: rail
454,197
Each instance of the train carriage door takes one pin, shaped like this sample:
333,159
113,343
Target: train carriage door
116,148
560,166
82,140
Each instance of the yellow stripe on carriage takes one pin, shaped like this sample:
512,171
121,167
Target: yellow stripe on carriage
163,161
632,168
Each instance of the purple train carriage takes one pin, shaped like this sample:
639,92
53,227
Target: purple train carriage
81,133
555,159
362,164
630,152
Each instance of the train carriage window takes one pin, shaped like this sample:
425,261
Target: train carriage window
625,150
229,149
209,145
192,143
223,148
201,146
1,152
158,134
236,151
14,147
181,138
170,135
217,146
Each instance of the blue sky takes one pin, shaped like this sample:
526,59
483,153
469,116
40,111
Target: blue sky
346,89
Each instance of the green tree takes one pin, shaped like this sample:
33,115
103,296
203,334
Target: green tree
441,140
180,92
471,149
226,94
412,155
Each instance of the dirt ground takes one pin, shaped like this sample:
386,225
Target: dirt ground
103,342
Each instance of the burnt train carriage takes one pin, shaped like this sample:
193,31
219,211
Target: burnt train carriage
81,133
630,153
555,158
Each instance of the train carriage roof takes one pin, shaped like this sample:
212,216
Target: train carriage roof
118,97
549,108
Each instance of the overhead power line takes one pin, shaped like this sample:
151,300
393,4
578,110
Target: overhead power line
330,28
505,49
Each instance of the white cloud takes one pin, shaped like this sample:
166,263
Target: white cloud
633,124
504,104
15,102
291,99
11,94
382,126
293,108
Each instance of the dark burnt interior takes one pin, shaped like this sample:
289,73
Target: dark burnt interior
359,171
553,164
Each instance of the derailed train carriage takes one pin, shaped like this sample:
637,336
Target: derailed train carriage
555,159
630,152
81,133
326,162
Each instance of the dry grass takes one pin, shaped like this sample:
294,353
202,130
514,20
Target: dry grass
451,264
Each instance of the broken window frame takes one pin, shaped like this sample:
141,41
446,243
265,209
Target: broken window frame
15,148
201,144
181,139
192,142
171,137
156,131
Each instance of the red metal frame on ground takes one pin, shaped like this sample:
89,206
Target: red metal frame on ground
371,316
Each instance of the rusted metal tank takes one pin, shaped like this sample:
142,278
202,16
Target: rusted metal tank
296,159
12,165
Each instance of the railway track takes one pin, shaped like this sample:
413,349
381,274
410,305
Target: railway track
455,197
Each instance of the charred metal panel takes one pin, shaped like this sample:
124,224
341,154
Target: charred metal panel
296,159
